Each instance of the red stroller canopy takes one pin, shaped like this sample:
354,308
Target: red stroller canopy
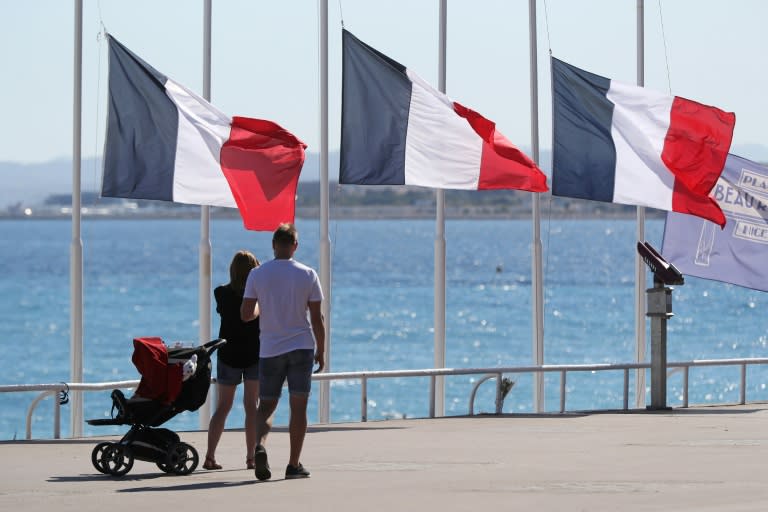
159,380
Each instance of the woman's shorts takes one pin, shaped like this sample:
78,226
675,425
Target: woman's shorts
294,366
230,376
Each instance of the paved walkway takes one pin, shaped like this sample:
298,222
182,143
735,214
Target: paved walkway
702,459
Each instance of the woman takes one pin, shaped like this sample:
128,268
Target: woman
237,360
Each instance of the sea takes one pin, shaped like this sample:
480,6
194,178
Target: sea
141,279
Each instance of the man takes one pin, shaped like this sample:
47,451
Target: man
280,292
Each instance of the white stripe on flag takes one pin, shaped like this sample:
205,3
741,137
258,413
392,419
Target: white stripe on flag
197,177
641,120
441,148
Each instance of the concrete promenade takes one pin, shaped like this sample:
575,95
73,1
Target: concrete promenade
702,459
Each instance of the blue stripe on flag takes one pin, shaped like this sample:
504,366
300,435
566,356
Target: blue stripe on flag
142,128
376,98
584,156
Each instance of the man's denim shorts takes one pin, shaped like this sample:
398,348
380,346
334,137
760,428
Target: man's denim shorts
294,366
230,376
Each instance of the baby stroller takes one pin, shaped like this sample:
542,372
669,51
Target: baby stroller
172,380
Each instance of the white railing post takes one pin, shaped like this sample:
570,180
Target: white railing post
743,387
626,389
474,392
432,394
364,400
562,391
56,417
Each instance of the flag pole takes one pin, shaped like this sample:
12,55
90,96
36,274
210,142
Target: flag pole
438,403
204,286
76,245
640,234
537,285
325,241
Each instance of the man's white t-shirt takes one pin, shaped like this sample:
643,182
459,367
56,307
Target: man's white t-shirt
283,288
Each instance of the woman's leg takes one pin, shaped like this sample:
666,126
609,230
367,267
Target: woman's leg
226,395
250,403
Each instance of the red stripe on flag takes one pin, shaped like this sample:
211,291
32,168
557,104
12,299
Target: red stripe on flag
685,201
695,149
502,165
697,143
262,163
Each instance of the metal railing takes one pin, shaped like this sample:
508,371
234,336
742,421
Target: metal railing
47,390
364,376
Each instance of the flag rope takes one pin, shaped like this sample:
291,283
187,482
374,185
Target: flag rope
341,14
546,25
100,36
666,55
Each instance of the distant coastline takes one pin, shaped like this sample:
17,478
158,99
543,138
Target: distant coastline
347,202
361,213
42,189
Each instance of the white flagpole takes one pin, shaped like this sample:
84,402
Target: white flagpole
537,285
76,245
204,286
640,233
324,405
439,388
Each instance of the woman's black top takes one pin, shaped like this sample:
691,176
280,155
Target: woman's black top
242,347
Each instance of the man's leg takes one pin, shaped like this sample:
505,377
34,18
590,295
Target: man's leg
264,415
297,427
271,377
263,426
299,386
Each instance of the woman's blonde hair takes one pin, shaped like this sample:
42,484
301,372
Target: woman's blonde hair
242,263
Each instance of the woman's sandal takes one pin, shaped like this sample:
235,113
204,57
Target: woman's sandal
249,463
210,463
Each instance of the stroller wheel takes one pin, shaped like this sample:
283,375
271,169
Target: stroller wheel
181,459
96,455
164,467
116,459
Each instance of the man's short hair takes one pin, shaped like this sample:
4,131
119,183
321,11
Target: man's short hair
285,235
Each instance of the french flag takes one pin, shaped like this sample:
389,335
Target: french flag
396,129
164,142
620,143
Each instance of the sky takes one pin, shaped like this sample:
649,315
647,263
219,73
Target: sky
265,59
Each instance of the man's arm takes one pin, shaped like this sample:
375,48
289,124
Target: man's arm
249,309
318,329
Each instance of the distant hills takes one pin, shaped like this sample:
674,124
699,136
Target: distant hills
31,184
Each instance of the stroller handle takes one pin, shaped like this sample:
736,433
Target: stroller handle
214,344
